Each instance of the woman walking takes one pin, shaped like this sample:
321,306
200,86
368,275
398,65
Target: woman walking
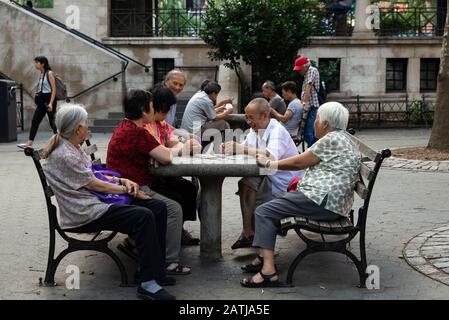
45,99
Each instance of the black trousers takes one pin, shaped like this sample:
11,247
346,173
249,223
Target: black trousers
41,100
146,222
180,190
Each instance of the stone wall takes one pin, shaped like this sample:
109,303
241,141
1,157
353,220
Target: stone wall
80,64
363,61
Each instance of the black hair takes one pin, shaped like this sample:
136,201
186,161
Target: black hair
212,87
290,86
163,99
136,102
43,60
204,84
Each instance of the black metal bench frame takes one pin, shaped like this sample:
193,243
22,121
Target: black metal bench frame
73,244
371,163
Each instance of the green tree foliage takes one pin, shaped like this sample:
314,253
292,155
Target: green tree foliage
264,33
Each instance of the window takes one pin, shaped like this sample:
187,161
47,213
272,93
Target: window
330,72
396,75
429,74
161,67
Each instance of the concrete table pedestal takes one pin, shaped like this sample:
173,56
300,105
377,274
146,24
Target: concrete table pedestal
211,171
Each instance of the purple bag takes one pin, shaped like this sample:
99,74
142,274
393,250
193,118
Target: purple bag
100,172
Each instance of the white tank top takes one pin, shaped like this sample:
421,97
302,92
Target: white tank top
43,85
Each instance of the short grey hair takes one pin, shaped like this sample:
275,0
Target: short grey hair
335,114
262,105
270,85
174,72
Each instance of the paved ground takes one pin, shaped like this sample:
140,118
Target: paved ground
404,204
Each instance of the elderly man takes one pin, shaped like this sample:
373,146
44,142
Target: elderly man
203,113
325,193
175,80
269,138
309,97
269,93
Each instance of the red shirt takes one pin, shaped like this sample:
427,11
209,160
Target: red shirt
128,152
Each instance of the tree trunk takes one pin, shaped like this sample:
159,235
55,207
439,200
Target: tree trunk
439,139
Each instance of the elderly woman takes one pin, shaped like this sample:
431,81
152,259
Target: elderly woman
68,171
178,189
326,192
130,150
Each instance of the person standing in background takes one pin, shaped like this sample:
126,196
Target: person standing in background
45,99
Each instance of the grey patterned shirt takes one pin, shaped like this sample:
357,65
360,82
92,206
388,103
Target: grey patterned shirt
68,170
313,76
335,175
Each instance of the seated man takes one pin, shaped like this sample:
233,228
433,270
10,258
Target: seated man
269,138
201,113
269,93
292,117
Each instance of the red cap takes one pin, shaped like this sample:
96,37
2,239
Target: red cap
299,63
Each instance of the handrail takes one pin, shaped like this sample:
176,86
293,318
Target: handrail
118,54
81,35
114,77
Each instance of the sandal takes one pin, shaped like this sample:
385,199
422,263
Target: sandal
178,270
266,283
253,268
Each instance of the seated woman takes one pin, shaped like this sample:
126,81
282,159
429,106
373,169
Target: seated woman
130,150
326,192
68,171
178,189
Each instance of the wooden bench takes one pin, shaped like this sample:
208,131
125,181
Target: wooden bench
98,242
371,163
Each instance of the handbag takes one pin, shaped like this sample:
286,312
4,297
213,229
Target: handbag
101,172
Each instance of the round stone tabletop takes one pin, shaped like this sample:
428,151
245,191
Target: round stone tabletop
211,165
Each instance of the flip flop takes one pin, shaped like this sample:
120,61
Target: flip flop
178,270
266,283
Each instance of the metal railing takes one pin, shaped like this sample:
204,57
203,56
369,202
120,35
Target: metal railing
19,106
393,22
125,59
391,111
155,23
411,22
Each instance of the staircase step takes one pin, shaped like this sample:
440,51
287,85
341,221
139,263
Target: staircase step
102,129
106,122
116,115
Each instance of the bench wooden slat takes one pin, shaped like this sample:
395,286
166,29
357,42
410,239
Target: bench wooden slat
324,226
90,149
365,150
361,190
366,172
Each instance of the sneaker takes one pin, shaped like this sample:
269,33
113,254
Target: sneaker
188,240
22,146
160,295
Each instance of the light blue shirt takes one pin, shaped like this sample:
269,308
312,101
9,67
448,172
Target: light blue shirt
278,142
292,125
171,115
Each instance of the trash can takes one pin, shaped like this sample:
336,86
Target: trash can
8,115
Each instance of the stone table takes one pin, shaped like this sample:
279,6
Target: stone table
211,170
